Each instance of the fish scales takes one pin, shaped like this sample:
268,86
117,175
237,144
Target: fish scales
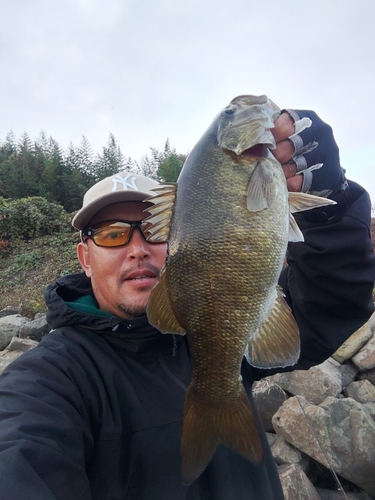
223,266
227,223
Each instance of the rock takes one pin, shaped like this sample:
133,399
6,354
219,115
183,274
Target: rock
370,408
338,495
268,398
271,437
6,358
285,453
315,384
15,349
346,434
362,391
10,310
353,344
296,485
10,327
348,373
368,375
371,322
365,357
35,329
21,345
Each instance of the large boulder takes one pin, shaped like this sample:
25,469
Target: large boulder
353,344
14,350
268,398
296,485
315,384
10,327
338,433
35,329
364,359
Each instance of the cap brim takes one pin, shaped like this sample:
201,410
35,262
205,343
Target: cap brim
83,216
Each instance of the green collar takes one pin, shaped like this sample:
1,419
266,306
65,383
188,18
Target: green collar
87,304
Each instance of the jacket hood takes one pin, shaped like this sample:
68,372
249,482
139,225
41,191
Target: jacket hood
134,335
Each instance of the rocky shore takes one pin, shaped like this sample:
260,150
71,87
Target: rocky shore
320,423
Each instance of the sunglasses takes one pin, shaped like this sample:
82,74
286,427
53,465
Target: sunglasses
114,233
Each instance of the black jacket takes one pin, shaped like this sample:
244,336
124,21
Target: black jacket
95,411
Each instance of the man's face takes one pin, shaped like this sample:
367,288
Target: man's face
123,277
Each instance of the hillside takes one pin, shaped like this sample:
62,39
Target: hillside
29,266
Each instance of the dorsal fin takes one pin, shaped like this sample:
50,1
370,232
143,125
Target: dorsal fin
161,213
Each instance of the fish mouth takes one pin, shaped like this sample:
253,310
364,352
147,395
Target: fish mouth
259,150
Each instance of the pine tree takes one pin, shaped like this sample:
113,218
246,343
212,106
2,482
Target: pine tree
111,160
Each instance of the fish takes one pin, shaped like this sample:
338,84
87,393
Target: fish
227,221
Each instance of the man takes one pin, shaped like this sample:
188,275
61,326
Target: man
95,411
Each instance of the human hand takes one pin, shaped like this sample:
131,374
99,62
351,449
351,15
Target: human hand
308,153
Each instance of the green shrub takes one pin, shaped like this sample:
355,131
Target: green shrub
31,217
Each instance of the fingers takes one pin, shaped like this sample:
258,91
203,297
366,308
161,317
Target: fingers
284,127
308,153
294,184
284,151
316,154
290,170
293,180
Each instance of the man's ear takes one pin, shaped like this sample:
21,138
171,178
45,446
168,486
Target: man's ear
83,255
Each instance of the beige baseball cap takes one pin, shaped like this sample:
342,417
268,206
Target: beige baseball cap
123,186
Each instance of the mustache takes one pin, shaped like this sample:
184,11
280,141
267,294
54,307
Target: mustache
155,271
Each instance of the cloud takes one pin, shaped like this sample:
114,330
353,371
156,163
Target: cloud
151,71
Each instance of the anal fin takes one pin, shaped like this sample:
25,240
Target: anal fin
277,342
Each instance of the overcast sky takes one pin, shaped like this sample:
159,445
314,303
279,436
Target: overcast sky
148,70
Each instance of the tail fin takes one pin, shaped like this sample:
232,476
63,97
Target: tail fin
206,426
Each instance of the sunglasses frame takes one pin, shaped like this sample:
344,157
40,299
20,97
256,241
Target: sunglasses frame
88,233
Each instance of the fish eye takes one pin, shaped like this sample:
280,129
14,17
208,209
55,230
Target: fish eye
229,111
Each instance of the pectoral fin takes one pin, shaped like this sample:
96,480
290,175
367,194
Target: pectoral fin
260,190
161,213
277,343
159,309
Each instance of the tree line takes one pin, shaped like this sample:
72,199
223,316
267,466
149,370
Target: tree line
41,168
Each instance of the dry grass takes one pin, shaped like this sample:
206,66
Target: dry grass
26,268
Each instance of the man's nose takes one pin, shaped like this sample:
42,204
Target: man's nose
138,247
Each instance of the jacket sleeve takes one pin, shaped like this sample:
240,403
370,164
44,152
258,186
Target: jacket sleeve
45,438
329,279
